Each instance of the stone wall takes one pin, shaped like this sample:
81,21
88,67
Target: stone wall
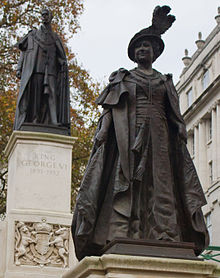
3,225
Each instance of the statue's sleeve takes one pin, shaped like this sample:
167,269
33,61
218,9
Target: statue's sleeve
23,43
114,90
22,46
173,109
20,62
61,56
106,120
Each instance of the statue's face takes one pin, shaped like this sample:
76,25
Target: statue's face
46,16
143,52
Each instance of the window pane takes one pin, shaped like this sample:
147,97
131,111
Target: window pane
189,98
205,80
209,226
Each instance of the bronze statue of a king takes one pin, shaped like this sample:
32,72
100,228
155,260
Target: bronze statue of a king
43,98
140,185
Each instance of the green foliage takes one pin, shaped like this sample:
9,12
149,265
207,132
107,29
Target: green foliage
17,17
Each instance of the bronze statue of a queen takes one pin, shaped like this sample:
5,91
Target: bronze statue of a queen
140,182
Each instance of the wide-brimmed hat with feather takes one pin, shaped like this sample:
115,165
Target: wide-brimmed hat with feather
161,22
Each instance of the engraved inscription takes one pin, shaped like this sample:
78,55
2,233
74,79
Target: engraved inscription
42,163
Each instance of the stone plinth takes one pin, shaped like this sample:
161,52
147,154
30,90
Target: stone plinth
3,228
38,218
122,266
39,171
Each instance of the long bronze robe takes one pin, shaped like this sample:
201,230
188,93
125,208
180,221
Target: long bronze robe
29,47
114,200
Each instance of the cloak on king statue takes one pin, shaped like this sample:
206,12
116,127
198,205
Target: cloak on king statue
43,97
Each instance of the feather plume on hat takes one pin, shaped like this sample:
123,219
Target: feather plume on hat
161,21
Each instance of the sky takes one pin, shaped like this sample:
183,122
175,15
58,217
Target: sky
108,25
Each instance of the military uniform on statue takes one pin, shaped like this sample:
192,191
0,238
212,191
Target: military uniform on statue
44,91
140,187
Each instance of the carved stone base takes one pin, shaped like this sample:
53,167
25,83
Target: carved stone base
151,248
38,216
41,244
122,266
38,245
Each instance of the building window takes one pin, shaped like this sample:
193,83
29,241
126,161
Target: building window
189,98
210,172
205,80
209,226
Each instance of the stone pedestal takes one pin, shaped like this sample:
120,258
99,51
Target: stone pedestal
38,206
123,266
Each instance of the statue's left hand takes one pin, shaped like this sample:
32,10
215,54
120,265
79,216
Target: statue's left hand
18,74
63,63
101,137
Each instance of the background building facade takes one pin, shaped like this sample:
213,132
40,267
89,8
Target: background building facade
199,94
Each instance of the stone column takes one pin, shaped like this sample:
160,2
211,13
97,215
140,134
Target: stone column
38,205
214,143
218,139
196,142
202,161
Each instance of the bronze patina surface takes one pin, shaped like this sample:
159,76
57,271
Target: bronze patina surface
140,182
44,91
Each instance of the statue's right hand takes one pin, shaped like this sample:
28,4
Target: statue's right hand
100,138
18,74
